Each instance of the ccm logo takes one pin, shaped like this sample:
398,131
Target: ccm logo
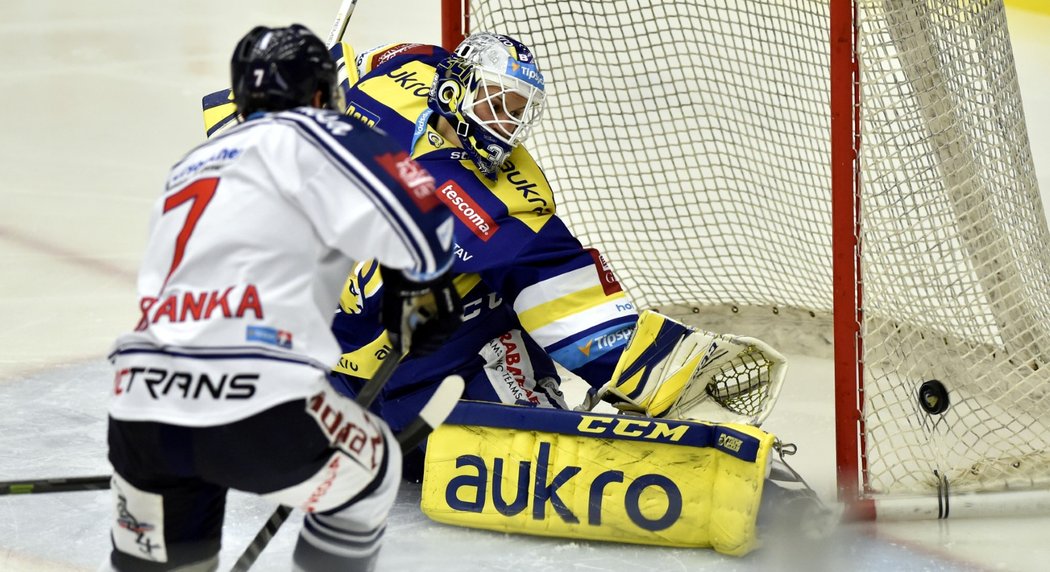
654,430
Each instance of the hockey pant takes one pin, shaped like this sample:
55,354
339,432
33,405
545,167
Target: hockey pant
340,465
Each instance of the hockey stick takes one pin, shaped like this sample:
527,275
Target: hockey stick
59,485
342,18
218,107
433,414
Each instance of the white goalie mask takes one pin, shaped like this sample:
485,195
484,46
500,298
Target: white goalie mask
492,92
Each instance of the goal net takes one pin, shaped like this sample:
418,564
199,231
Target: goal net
689,140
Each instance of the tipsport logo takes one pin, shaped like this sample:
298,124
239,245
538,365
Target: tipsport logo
606,341
526,72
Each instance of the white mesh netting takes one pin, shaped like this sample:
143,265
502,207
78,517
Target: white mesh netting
689,141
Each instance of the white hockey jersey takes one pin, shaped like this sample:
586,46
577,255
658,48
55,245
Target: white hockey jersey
249,246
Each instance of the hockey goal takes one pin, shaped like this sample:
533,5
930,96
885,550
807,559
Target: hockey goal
858,167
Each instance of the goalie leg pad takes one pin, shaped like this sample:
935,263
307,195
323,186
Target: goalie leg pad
598,477
674,371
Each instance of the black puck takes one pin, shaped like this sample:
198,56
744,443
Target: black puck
933,397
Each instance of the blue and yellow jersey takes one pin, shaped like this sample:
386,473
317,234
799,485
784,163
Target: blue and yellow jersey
517,264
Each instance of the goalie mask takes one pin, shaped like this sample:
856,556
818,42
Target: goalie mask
274,69
492,93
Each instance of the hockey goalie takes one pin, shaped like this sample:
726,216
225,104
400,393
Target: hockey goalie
682,463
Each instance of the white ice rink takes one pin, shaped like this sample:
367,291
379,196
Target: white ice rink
98,99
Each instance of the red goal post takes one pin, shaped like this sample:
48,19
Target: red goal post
818,171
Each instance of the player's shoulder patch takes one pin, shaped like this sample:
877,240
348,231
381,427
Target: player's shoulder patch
335,123
378,56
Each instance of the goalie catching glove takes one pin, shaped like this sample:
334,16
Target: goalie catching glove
671,370
419,316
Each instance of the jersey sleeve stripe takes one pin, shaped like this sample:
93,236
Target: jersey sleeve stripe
561,308
552,333
217,353
558,286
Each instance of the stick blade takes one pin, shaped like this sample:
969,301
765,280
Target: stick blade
444,401
433,413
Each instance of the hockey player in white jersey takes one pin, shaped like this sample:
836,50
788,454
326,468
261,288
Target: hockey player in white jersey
223,382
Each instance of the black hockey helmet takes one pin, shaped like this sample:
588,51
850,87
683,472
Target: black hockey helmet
274,69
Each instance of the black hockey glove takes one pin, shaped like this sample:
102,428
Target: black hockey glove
419,316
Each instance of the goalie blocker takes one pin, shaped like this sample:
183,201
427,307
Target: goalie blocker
673,371
597,477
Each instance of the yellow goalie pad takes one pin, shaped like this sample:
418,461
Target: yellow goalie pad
597,477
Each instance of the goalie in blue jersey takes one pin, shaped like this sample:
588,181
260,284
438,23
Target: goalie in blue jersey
532,293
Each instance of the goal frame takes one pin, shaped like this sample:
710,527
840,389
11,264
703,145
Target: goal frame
845,185
854,490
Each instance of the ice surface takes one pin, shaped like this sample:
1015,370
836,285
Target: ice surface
97,100
54,425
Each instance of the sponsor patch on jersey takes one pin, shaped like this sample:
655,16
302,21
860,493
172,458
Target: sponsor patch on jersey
605,274
192,167
416,181
594,347
272,336
509,369
467,210
357,111
394,51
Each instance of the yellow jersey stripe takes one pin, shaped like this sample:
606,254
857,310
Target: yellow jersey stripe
564,307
